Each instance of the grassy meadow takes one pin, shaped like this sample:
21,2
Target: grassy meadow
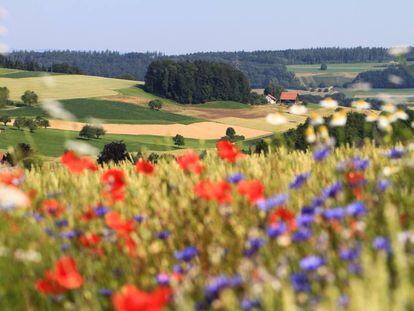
289,231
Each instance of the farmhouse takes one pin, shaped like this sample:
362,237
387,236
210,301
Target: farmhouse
271,99
290,97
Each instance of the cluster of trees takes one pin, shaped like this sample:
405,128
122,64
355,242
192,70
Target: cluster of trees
196,82
394,76
232,136
4,96
274,89
155,104
92,131
29,123
28,98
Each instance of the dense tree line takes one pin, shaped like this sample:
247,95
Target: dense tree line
393,77
196,82
259,66
341,98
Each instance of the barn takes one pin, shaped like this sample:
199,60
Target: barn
289,97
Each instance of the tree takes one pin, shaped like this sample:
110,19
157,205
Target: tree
230,132
30,98
31,125
20,122
5,120
274,89
179,140
87,131
42,122
4,96
324,66
114,152
155,104
99,131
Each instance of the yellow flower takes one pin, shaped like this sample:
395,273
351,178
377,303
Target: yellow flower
329,103
310,135
298,109
338,119
276,118
361,105
316,119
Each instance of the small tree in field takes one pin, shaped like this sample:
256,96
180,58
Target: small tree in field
99,131
31,125
87,132
30,98
179,140
114,152
19,122
42,122
5,120
230,132
324,67
155,104
4,96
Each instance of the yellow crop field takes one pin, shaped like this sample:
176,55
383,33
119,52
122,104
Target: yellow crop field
65,86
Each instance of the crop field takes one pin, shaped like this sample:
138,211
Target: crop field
51,143
287,231
62,86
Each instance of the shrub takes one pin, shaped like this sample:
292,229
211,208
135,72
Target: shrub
30,98
115,152
178,140
155,104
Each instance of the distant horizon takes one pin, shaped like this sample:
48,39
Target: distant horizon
187,26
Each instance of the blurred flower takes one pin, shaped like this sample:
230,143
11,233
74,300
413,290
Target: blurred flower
329,103
27,256
187,253
11,197
268,204
53,208
356,209
249,304
321,153
276,119
300,283
384,123
371,117
399,50
163,235
401,115
333,190
235,178
228,151
105,292
299,180
209,190
316,119
252,246
395,79
396,153
251,189
76,164
382,243
114,184
383,185
389,107
163,279
190,162
115,222
298,109
336,213
4,49
311,263
81,148
310,135
144,167
130,298
339,118
349,254
56,110
361,105
276,230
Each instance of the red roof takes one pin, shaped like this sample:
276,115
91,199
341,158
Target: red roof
292,96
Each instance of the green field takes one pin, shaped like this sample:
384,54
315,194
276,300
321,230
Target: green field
403,93
109,112
49,142
138,91
223,105
60,86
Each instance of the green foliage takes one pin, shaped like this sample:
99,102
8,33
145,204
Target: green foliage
155,104
196,82
23,154
178,140
114,152
4,96
257,99
91,131
5,120
324,67
19,122
274,89
230,132
42,122
403,77
30,98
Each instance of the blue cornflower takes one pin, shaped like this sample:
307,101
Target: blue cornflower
321,153
69,234
65,247
178,269
163,235
163,279
299,180
274,231
139,218
101,210
304,220
253,245
343,301
236,281
383,185
355,268
318,202
61,223
214,288
382,243
105,292
37,216
267,204
301,235
235,178
249,304
311,263
50,232
336,213
349,254
395,153
360,164
187,253
356,209
333,190
300,282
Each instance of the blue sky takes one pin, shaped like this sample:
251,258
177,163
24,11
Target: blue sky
183,26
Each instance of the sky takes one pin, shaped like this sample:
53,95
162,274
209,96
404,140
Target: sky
185,26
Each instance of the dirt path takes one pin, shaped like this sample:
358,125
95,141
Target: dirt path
200,130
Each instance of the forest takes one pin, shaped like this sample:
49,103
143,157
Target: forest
259,66
196,82
391,77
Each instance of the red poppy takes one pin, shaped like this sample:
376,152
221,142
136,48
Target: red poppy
77,164
130,298
208,190
12,177
252,189
114,184
190,162
90,240
53,207
355,178
284,215
64,276
88,215
115,221
228,151
144,167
